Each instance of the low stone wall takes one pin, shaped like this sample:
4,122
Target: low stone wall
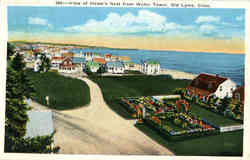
166,96
231,128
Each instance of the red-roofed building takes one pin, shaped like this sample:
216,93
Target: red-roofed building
239,94
56,61
67,66
108,57
208,84
99,60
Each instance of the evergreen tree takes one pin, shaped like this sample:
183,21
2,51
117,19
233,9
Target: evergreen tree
10,51
18,88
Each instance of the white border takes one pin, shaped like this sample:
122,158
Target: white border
3,45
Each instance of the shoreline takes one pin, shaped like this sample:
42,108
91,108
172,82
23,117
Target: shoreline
176,74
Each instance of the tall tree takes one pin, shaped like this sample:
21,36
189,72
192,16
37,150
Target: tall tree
18,88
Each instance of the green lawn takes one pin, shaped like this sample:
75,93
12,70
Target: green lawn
131,86
64,92
226,144
212,117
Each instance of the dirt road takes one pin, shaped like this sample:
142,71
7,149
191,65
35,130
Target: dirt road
96,129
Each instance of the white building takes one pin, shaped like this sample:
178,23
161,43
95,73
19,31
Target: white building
151,67
208,85
115,67
37,64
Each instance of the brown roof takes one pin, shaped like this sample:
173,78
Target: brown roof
207,82
99,60
70,54
58,58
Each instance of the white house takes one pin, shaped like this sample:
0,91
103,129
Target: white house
151,67
207,85
37,64
115,67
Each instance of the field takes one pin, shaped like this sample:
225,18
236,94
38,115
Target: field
225,144
214,118
132,86
64,92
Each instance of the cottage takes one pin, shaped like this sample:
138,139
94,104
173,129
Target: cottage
206,85
56,61
92,66
115,67
151,67
107,57
101,61
239,94
67,66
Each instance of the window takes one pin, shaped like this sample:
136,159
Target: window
220,88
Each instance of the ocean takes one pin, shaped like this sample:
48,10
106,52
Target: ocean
226,65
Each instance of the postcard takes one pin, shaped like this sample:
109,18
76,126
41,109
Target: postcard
125,79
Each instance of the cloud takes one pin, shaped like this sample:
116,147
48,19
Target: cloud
144,21
207,29
207,19
239,18
39,21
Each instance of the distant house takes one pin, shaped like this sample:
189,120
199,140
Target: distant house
132,66
208,85
115,67
115,58
67,66
101,61
90,55
78,54
40,124
92,66
68,54
239,94
56,61
151,67
107,57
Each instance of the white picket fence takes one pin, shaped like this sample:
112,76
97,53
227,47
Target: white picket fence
231,128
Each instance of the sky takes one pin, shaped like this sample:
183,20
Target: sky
179,29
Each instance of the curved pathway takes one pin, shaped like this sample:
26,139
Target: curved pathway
96,129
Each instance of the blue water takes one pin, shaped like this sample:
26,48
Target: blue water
227,65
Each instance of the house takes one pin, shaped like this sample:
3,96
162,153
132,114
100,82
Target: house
40,124
107,57
56,61
132,66
68,54
206,85
115,58
151,67
92,66
90,55
239,94
67,66
101,61
115,67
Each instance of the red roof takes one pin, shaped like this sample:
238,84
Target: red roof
58,58
107,55
99,60
207,82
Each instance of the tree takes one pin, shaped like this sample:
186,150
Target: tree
10,51
101,70
18,88
45,63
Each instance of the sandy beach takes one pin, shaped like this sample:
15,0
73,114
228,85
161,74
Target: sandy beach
178,74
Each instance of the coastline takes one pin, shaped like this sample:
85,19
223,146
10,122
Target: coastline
178,74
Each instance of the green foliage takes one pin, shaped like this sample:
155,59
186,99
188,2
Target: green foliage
10,51
64,92
101,70
18,88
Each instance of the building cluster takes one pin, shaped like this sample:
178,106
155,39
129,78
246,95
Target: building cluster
71,59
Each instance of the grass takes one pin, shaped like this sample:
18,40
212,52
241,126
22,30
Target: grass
212,117
64,92
131,86
225,144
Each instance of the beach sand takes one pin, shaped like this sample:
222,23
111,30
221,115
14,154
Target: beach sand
178,74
